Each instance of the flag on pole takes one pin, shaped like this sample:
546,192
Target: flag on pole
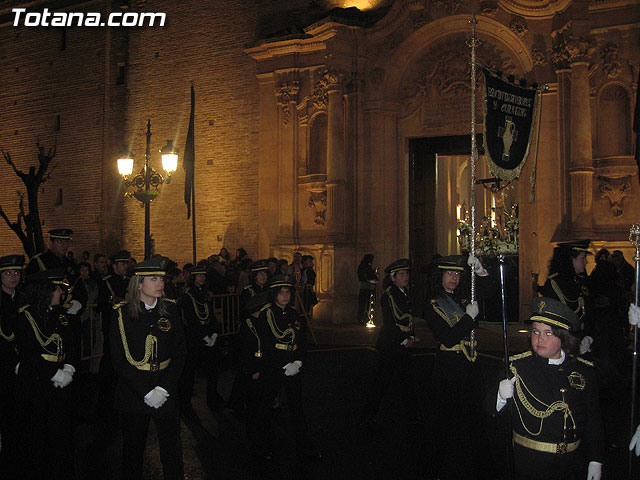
190,158
636,125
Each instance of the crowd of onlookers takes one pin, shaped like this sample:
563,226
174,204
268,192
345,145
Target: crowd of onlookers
225,275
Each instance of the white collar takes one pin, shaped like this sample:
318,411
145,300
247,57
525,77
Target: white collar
558,361
151,307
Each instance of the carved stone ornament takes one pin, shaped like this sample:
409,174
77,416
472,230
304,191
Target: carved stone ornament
452,6
488,7
615,189
539,58
420,20
327,79
287,93
611,60
318,202
568,48
445,69
519,26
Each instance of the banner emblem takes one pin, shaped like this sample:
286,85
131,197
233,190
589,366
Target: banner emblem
509,111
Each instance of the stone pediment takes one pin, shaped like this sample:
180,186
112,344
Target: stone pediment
446,76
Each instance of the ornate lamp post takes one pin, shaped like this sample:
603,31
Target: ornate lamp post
144,185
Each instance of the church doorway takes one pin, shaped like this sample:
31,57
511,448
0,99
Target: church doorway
439,193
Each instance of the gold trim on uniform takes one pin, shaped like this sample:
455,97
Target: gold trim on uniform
164,324
577,380
556,448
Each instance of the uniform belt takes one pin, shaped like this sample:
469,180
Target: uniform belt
557,448
154,367
53,358
286,346
455,348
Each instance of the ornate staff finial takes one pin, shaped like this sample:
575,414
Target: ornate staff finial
634,235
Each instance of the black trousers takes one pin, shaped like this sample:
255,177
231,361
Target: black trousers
9,427
207,360
390,361
260,395
135,428
46,435
364,299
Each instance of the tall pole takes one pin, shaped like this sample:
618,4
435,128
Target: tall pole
147,203
193,213
474,159
634,238
505,339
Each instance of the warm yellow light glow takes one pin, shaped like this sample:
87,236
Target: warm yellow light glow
360,4
125,166
170,162
523,331
458,212
370,325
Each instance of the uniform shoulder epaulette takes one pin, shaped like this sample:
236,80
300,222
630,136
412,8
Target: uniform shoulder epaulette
120,304
586,362
247,287
170,300
520,355
388,289
434,301
266,305
553,275
23,308
106,277
36,256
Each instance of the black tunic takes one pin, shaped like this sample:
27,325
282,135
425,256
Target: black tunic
199,319
8,354
272,340
397,316
133,382
540,385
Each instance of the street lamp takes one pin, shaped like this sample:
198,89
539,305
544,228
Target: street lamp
144,186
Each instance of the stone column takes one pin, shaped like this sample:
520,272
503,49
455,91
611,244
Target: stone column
286,93
573,47
336,167
581,165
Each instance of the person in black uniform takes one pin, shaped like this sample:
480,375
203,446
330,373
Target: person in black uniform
259,275
396,335
557,425
451,317
112,290
368,278
48,360
568,281
10,273
202,330
274,349
56,257
148,351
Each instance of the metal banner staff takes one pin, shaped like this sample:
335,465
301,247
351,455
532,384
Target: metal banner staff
634,319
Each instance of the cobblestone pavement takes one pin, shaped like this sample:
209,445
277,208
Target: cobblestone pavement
337,374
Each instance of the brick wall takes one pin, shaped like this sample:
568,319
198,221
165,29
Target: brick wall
202,43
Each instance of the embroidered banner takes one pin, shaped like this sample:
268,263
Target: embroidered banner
509,111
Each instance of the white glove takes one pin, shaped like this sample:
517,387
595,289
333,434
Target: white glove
595,471
74,308
156,397
505,389
473,310
17,368
292,368
585,344
476,266
62,378
634,314
210,341
635,441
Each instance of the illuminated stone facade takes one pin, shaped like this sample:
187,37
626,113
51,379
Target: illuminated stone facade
303,139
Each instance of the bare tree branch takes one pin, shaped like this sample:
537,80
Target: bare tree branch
8,159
